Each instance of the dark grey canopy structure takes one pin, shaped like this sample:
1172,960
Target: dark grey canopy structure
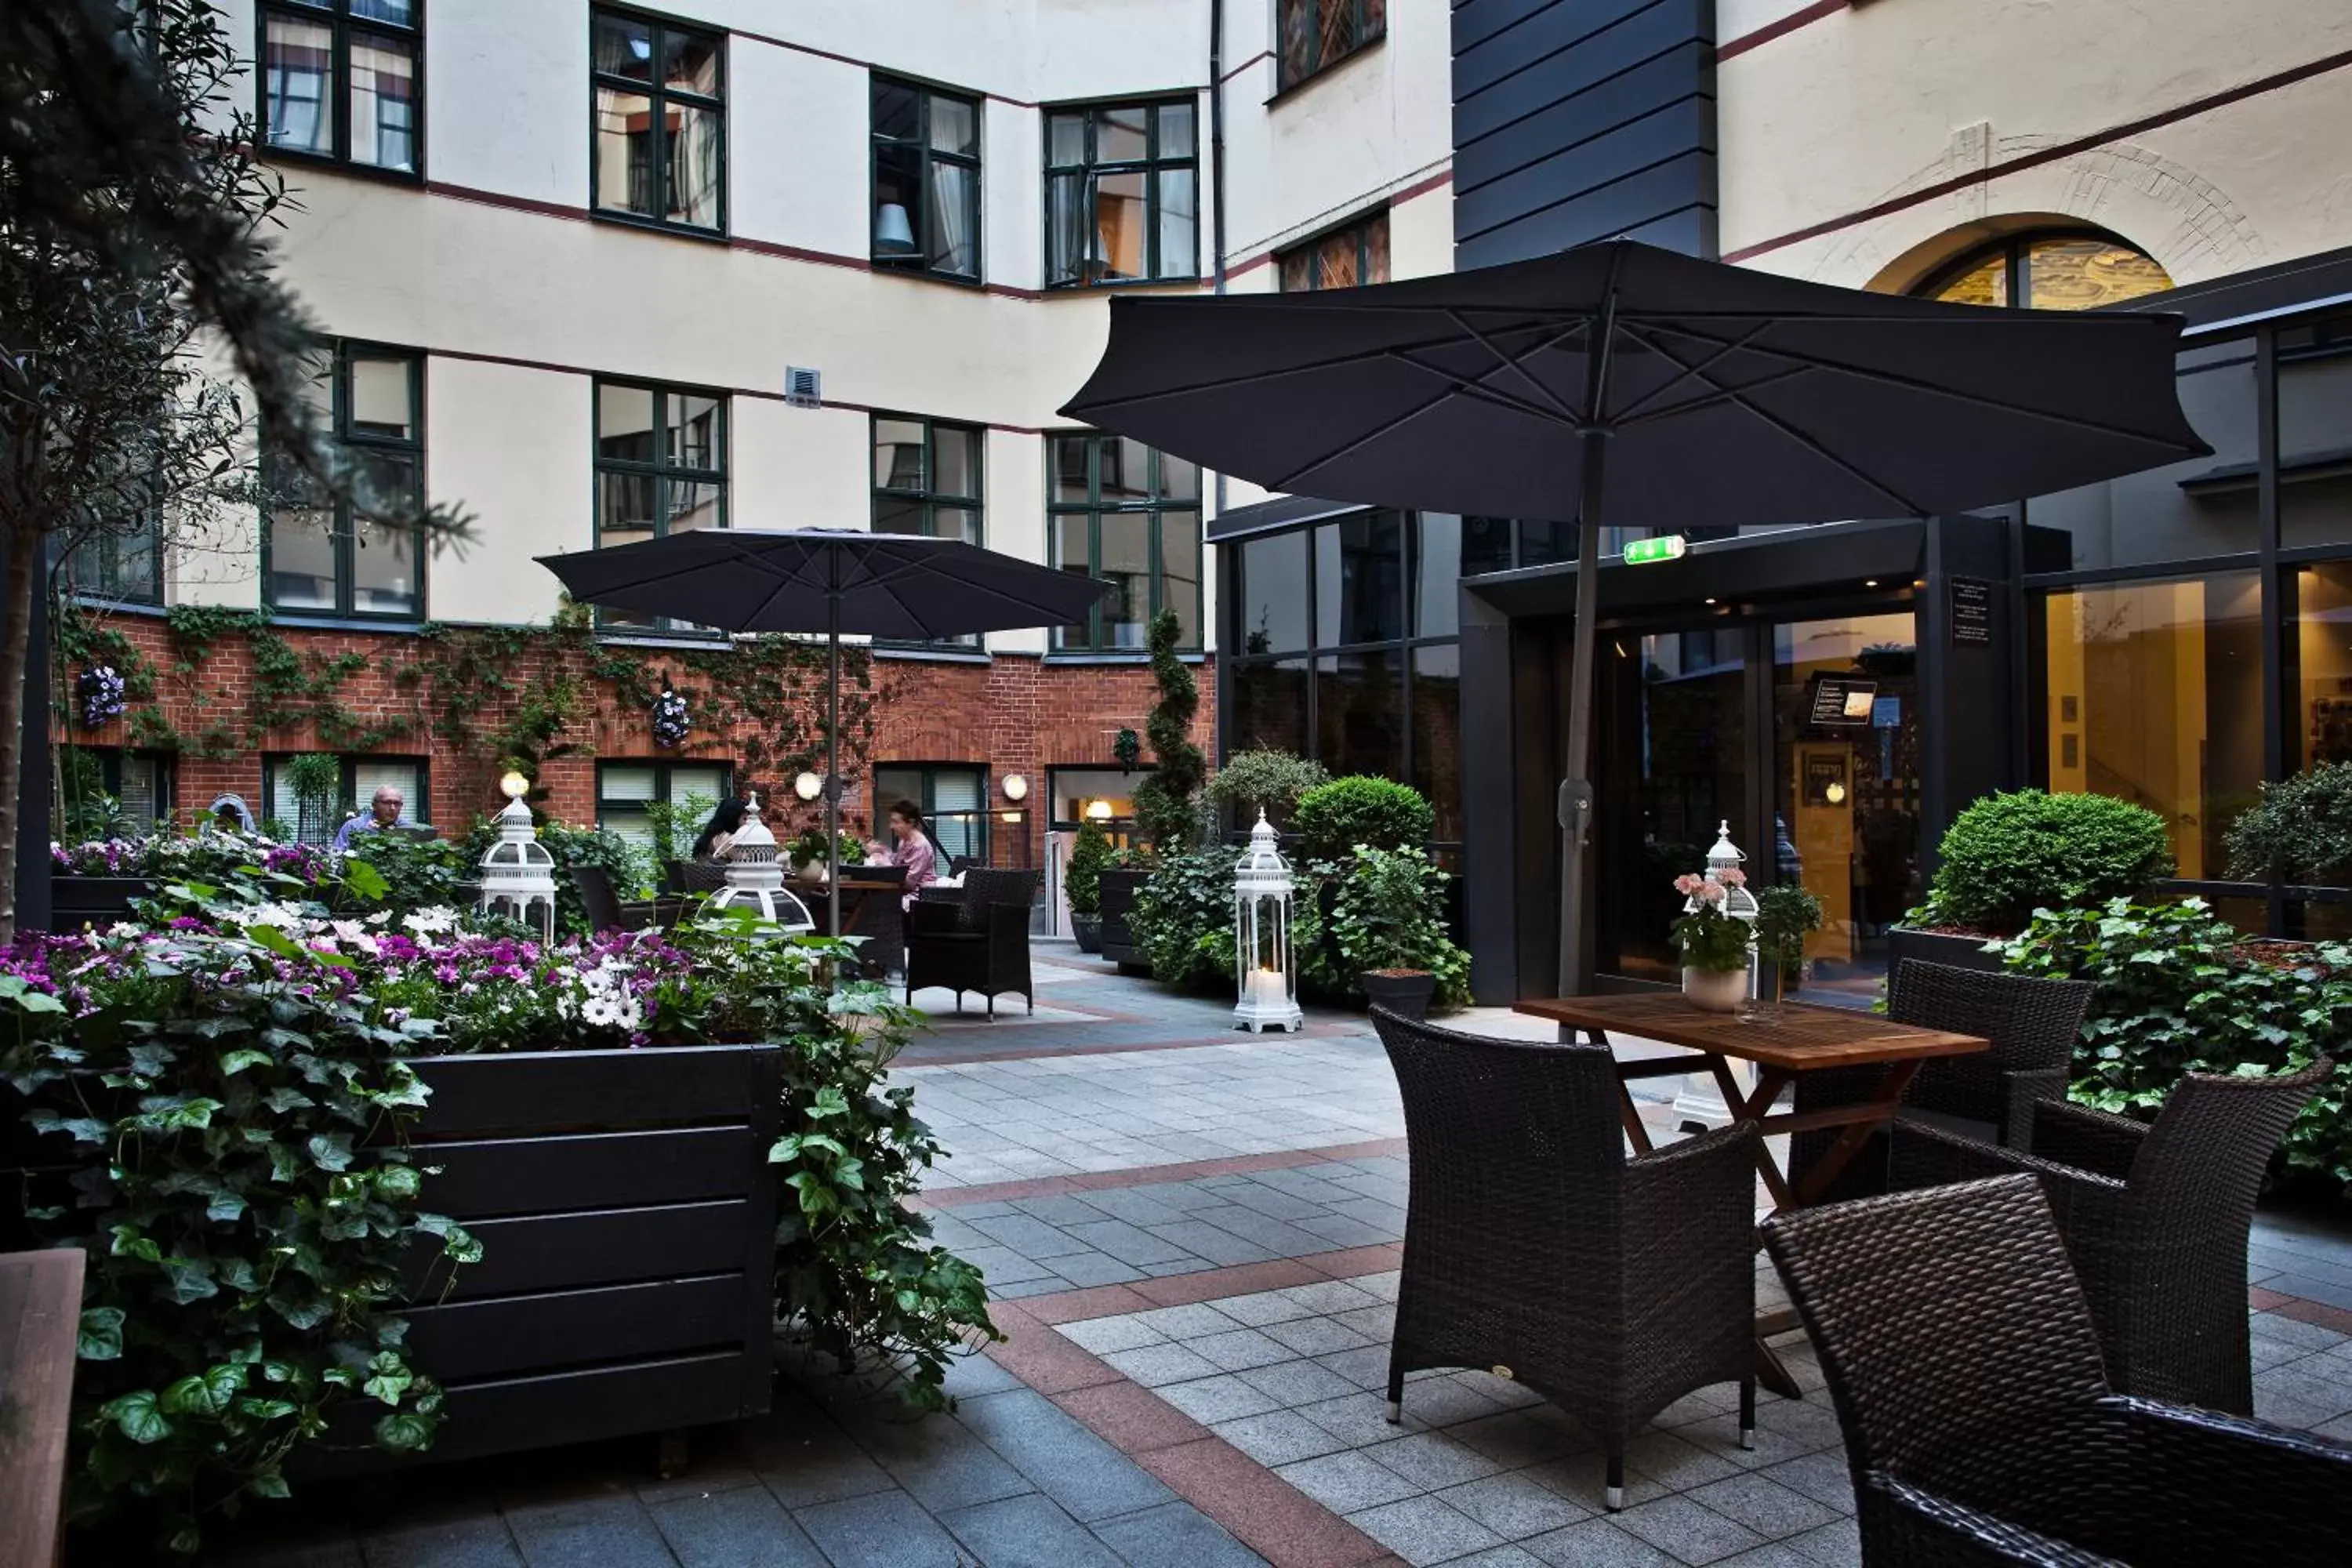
837,582
1621,384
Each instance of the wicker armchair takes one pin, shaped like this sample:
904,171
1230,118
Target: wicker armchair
2033,1024
1610,1286
2155,1218
1979,1427
979,943
606,911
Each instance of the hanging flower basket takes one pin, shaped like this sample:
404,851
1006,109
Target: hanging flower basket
100,690
671,720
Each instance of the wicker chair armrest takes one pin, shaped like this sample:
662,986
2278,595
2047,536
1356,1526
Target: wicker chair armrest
931,916
1920,1528
1929,1156
1008,927
2022,1091
2095,1140
1707,1181
2208,1487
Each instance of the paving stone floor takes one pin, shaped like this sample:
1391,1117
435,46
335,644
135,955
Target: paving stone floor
1189,1236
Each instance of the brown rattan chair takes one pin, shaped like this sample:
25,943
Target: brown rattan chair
1979,1424
979,943
608,911
1534,1246
2156,1218
2033,1024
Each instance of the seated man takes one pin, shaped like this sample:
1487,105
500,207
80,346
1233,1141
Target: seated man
385,811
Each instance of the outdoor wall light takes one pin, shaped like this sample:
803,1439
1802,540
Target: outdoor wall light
513,785
1015,787
1834,793
808,786
1099,811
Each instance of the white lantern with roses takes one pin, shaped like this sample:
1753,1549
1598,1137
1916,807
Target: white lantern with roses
1716,934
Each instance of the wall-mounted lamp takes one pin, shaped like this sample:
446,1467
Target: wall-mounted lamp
1099,811
1015,787
808,786
1834,793
513,785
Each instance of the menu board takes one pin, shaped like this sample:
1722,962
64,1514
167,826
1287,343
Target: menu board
1971,613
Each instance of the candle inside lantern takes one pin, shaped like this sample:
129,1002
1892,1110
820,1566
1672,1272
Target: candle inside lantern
1266,988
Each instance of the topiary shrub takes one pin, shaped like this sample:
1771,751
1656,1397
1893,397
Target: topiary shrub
1164,809
2300,829
1265,779
1388,912
2009,855
1082,876
1333,820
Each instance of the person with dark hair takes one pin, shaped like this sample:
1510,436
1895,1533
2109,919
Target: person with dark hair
909,847
720,830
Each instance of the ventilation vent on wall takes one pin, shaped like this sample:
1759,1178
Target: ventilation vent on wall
803,388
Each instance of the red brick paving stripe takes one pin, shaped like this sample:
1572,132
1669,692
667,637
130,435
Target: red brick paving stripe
2263,1300
1207,1285
1267,1513
1240,1280
1150,1175
1043,1359
1031,1053
2315,1312
1132,1417
1094,1302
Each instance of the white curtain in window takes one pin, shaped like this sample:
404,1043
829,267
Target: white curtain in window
957,797
369,774
951,214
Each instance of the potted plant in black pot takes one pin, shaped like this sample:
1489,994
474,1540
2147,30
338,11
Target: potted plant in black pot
2007,855
1388,927
1082,885
1785,916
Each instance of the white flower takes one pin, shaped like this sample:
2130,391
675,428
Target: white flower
284,916
380,918
123,928
599,1012
431,921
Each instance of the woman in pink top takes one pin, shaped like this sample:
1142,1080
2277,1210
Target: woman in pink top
910,847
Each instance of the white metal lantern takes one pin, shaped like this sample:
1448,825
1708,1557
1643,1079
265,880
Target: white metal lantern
755,877
1268,983
1738,901
1701,1104
518,873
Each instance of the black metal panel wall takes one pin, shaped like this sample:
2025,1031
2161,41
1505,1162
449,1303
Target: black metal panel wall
1581,119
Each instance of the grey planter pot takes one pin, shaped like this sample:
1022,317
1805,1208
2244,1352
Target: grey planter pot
1088,929
1119,890
77,901
1406,994
1904,943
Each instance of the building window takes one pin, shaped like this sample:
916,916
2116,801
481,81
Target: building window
1120,510
1340,260
1319,33
661,467
1122,197
314,817
362,553
660,807
2049,272
125,565
926,180
954,802
107,790
660,122
344,80
927,481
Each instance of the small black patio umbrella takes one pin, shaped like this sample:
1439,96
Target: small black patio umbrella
1619,381
834,581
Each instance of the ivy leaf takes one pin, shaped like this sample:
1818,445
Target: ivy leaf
225,1208
101,1336
129,1243
286,1098
137,1417
331,1150
404,1431
397,1182
189,1280
235,1062
303,1315
209,1393
270,1484
388,1379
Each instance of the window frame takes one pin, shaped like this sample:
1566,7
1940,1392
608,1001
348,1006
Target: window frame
336,15
2016,250
110,761
1360,227
664,782
419,802
1094,510
1364,34
345,529
103,550
657,95
918,263
927,795
1090,170
930,497
661,473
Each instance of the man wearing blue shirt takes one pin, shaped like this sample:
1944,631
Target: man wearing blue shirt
387,811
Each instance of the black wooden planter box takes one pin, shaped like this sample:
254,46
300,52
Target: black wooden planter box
627,1215
79,901
1938,947
1119,890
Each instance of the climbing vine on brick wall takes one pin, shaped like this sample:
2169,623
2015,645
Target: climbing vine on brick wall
509,696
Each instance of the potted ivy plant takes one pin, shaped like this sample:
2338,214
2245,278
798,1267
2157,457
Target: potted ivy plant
1785,916
1387,922
1713,944
1082,885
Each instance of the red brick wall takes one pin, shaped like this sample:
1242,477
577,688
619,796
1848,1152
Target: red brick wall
1010,715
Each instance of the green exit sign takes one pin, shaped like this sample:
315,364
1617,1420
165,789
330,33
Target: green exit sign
1667,547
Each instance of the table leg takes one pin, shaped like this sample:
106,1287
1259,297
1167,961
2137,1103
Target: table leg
1849,1144
1771,1371
1628,1113
1770,1082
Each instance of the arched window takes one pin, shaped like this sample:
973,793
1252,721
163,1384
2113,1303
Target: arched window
2059,271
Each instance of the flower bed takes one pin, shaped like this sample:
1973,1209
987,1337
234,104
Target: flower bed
234,1112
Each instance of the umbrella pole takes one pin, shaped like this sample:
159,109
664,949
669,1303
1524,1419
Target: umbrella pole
833,738
1576,802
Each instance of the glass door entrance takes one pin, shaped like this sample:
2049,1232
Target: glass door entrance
1845,749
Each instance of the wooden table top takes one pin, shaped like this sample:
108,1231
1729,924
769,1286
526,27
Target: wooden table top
1799,1038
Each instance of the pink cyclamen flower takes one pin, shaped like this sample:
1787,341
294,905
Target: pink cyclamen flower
1732,877
1710,892
1689,883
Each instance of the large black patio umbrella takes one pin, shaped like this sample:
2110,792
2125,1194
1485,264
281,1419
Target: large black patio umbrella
1619,381
834,581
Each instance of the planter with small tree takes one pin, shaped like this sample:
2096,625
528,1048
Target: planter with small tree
1785,916
1165,816
1082,885
2007,855
1387,925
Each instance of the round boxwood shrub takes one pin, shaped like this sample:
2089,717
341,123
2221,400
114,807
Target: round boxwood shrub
2009,855
1334,819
